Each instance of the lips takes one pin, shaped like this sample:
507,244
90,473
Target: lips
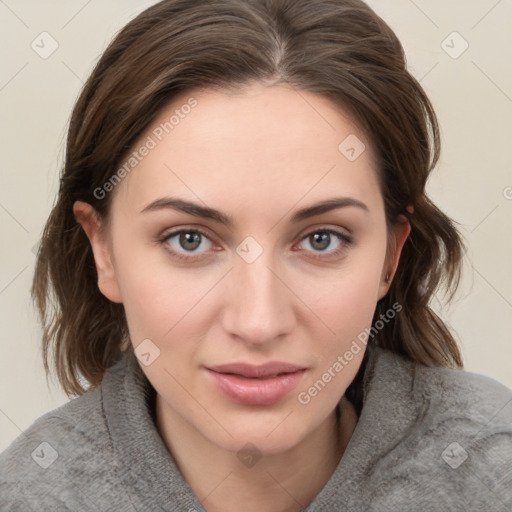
255,385
251,371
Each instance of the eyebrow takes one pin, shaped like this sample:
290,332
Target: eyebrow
197,210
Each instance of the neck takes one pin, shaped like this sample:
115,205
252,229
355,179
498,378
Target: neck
284,482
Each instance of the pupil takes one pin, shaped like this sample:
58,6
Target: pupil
319,236
187,240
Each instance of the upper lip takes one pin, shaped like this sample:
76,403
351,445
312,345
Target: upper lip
256,371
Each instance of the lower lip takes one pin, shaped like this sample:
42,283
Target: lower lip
256,391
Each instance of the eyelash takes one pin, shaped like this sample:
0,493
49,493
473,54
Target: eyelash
337,252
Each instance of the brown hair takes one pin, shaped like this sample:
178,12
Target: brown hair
340,49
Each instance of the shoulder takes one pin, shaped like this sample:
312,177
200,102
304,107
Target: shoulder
470,400
56,452
456,385
457,447
469,405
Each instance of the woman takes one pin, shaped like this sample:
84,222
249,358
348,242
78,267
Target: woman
236,275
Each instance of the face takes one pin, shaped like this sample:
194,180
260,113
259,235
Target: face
218,259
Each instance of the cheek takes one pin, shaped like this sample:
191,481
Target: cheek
346,310
146,297
155,295
346,305
154,305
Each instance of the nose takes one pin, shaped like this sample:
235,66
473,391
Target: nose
259,307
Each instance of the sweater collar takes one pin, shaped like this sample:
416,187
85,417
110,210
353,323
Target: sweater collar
148,470
389,409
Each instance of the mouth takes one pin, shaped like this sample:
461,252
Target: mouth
259,378
255,385
268,370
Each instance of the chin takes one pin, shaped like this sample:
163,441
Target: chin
270,435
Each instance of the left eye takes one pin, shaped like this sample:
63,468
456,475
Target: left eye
321,239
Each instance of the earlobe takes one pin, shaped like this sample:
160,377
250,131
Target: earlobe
87,217
401,231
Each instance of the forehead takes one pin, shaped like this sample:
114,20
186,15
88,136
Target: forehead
250,147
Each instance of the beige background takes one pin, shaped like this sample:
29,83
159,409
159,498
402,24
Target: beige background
472,95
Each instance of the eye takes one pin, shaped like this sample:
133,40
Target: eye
183,241
321,239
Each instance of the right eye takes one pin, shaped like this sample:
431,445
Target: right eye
185,240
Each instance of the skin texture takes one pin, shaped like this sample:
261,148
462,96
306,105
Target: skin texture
257,155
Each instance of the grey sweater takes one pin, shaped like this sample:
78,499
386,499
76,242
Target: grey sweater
428,439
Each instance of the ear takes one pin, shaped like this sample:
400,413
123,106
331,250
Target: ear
86,215
399,235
